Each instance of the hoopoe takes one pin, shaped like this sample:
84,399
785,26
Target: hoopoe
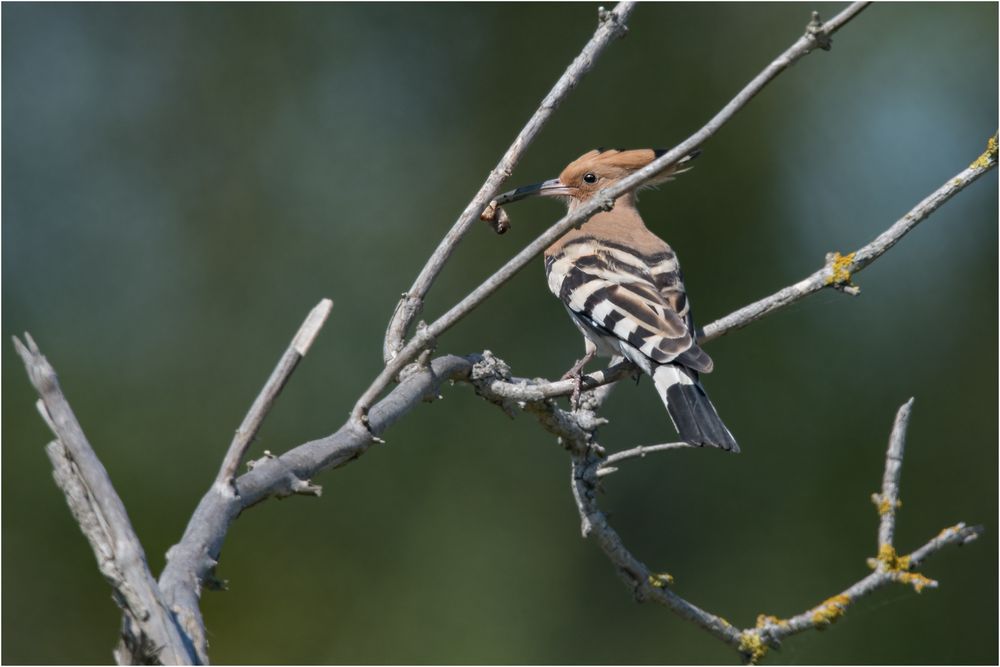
623,288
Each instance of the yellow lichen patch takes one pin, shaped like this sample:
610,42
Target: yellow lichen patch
915,579
899,566
752,646
830,610
884,505
763,620
988,157
840,269
892,561
661,580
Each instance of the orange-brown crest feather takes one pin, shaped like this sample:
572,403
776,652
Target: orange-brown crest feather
612,165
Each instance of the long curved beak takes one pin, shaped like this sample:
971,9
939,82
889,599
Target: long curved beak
550,188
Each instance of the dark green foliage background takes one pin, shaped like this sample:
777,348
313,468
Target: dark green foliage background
181,183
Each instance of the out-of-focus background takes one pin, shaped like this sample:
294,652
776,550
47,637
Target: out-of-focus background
181,183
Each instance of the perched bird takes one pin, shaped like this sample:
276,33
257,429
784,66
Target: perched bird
623,288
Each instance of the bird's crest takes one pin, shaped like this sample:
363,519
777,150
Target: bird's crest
612,164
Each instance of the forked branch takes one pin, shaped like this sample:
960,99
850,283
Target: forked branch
150,631
754,642
245,434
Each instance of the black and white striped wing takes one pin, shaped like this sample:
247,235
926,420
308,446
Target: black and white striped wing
671,287
612,289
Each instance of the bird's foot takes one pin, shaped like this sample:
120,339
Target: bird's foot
576,374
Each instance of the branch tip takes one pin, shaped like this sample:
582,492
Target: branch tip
22,351
310,328
989,156
32,345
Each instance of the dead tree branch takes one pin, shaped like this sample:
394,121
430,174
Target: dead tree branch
839,269
888,566
150,631
753,643
245,434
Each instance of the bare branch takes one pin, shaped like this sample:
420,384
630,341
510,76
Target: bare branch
151,630
643,583
888,566
959,534
610,26
192,561
888,501
245,434
816,36
839,268
521,389
753,643
638,453
772,630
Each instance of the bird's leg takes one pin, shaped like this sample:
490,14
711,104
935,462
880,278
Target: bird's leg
576,373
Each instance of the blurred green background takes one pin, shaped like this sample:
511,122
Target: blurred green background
181,183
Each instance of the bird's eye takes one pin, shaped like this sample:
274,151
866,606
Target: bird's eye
590,177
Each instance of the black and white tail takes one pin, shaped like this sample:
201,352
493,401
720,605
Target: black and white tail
692,412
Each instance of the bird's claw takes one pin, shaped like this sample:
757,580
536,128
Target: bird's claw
576,374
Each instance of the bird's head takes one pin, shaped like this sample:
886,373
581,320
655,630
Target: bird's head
594,171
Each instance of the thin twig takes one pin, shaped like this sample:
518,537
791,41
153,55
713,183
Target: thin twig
637,453
521,389
102,517
959,534
815,37
610,26
839,269
823,614
245,434
888,501
643,583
